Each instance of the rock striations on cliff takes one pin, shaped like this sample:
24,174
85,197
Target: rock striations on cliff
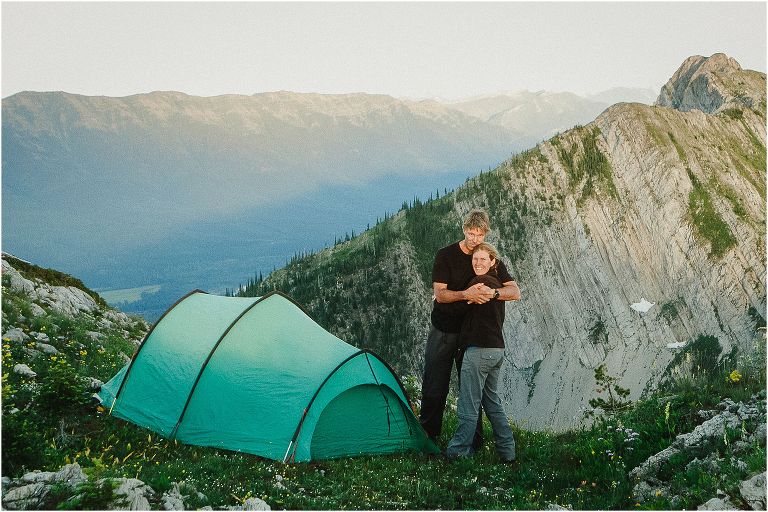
658,203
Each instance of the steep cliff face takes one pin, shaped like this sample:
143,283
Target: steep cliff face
654,203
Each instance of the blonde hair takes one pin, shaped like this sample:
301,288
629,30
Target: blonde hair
477,219
491,250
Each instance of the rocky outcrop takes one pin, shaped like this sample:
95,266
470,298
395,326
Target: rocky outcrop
31,490
700,443
131,494
753,491
70,301
711,84
35,491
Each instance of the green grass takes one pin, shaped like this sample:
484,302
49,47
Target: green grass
708,223
586,468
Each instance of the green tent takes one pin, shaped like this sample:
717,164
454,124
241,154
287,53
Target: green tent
258,375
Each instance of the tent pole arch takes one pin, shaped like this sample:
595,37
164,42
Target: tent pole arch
143,342
311,401
292,444
216,346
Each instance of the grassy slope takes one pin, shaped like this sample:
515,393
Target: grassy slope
586,469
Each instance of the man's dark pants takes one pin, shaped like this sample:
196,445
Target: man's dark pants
441,353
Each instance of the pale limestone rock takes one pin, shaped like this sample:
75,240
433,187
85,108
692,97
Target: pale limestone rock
37,310
95,336
46,348
40,336
24,370
15,334
131,494
172,499
93,383
26,497
753,491
18,282
718,504
255,504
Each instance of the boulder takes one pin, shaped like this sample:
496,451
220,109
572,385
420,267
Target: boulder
255,504
131,494
37,310
66,300
40,337
760,434
697,441
16,335
32,488
94,384
753,491
26,497
24,370
95,336
71,474
18,282
48,349
172,499
718,504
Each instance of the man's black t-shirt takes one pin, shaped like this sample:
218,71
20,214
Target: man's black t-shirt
454,268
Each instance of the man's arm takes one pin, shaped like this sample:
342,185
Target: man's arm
509,291
476,294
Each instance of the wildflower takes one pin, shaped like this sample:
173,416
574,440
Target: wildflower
735,376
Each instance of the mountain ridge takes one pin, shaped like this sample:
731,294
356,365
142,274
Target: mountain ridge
646,201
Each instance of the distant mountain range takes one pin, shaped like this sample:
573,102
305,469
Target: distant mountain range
536,116
166,192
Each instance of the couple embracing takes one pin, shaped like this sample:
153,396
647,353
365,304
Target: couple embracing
470,285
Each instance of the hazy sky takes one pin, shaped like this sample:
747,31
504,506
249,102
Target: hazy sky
431,49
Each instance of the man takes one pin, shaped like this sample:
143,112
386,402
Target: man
451,273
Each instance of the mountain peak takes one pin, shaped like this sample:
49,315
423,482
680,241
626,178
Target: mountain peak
711,84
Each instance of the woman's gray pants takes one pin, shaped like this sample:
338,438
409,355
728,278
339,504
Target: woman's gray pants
479,384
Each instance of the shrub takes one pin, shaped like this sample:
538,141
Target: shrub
62,388
616,401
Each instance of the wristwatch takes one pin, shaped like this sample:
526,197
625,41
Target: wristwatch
496,293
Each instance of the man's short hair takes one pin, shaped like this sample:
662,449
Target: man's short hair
477,219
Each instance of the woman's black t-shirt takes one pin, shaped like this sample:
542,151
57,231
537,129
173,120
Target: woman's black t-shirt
454,268
483,322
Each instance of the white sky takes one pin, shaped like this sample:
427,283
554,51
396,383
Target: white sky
403,49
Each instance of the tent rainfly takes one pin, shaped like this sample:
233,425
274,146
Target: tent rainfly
258,375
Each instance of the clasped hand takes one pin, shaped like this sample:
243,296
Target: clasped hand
479,294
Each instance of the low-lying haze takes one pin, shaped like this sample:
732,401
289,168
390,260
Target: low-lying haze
404,49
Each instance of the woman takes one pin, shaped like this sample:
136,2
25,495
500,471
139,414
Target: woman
482,335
